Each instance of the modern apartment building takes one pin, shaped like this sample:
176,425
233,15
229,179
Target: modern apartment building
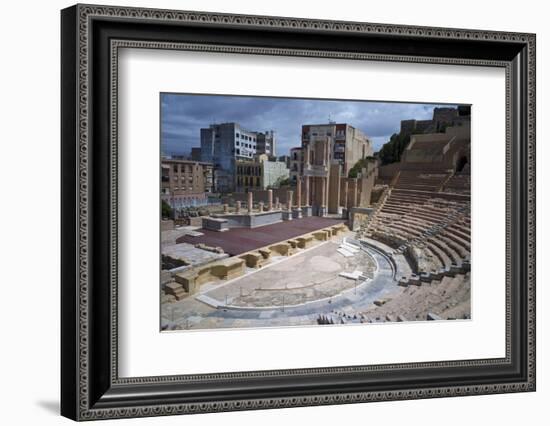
265,143
185,183
226,143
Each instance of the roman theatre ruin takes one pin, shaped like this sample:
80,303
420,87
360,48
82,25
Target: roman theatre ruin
390,245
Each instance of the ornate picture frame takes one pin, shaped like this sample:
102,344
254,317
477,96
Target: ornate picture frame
90,39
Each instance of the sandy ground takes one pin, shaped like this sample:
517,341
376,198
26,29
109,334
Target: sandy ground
308,276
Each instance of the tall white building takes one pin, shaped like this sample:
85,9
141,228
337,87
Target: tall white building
266,143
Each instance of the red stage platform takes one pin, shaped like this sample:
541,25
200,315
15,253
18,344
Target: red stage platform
240,240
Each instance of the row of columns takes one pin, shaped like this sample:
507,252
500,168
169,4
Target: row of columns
250,203
290,194
350,192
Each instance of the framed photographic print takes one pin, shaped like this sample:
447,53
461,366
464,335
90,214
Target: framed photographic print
263,212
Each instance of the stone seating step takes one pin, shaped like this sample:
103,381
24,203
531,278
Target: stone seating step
344,252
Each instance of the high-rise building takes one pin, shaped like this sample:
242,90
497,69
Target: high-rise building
265,143
226,143
222,145
196,154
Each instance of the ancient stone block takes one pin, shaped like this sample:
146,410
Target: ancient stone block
266,253
305,241
252,260
282,249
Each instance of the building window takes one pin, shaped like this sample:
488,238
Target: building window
237,135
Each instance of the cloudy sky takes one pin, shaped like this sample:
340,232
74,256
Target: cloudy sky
182,117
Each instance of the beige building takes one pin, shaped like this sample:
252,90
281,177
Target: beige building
296,164
260,173
329,151
347,145
185,183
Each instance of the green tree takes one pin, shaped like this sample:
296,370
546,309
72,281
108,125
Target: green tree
166,210
282,182
360,165
392,150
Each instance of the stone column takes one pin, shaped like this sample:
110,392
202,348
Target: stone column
346,186
238,208
299,192
307,191
324,194
277,203
289,200
297,212
250,201
269,199
353,193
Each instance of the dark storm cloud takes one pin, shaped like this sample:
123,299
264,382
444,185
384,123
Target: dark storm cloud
182,117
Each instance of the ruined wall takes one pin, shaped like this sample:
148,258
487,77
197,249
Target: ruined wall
388,171
366,183
334,188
